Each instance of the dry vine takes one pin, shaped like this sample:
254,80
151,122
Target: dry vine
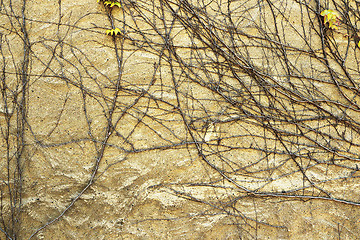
261,94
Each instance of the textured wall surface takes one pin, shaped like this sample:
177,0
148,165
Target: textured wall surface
199,120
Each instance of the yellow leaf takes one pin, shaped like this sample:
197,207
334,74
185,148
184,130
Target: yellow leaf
358,44
117,31
112,4
326,12
331,17
109,32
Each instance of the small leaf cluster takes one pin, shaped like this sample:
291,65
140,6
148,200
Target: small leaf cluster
110,3
114,32
331,17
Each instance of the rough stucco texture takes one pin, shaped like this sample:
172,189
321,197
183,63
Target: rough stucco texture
128,138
